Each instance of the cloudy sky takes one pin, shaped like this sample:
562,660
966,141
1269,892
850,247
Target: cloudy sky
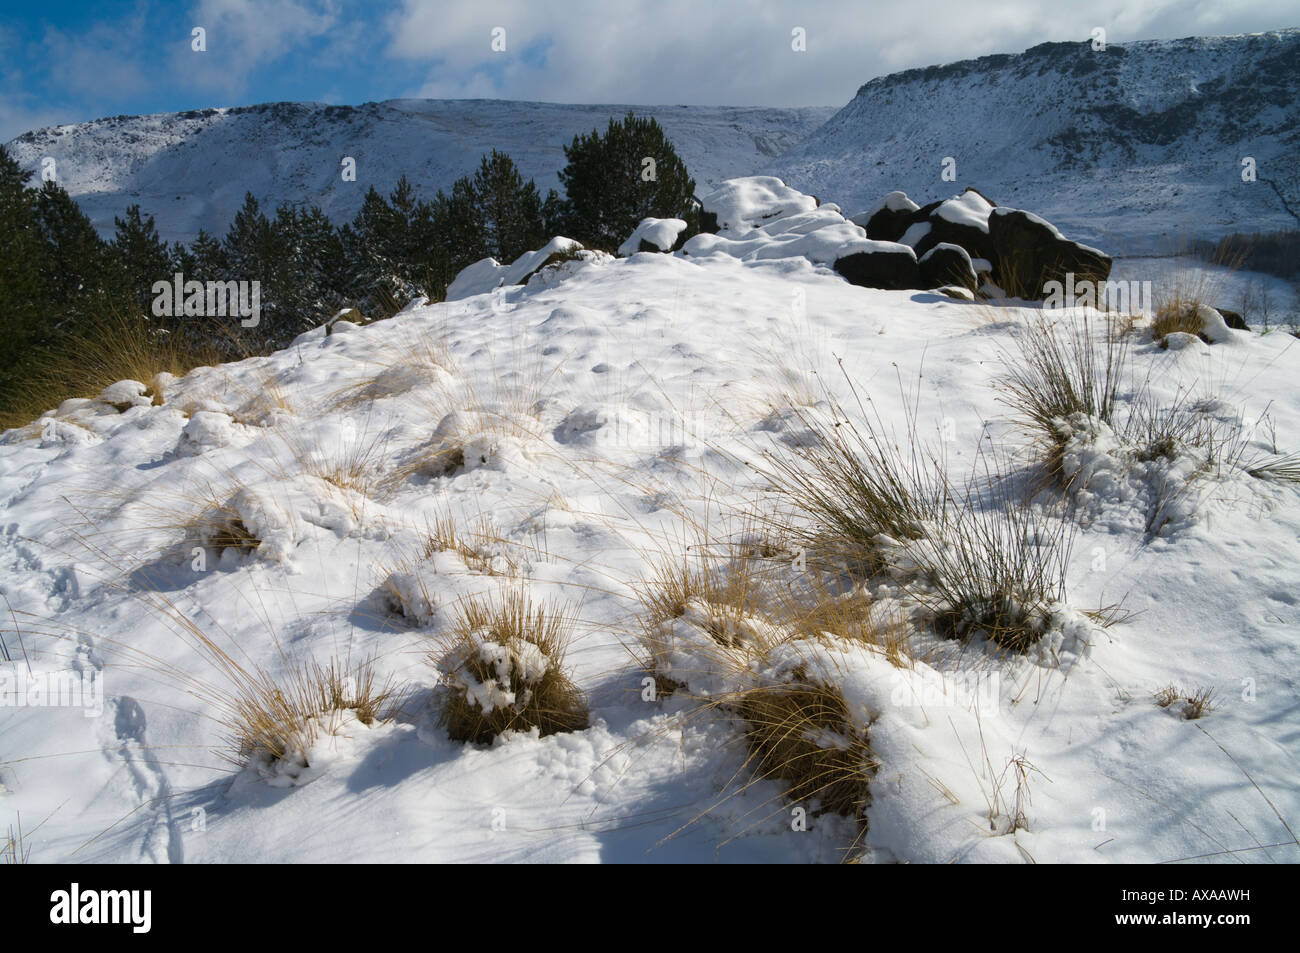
68,62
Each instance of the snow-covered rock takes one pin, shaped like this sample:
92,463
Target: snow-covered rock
740,205
653,234
889,218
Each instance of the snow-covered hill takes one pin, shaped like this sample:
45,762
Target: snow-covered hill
191,169
572,436
1137,147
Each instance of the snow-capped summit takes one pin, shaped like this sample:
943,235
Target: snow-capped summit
1137,145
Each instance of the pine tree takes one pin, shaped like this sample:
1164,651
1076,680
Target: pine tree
248,245
303,282
81,273
207,258
142,256
253,250
23,301
554,215
380,247
610,186
510,211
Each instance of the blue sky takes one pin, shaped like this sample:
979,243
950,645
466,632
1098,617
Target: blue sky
69,62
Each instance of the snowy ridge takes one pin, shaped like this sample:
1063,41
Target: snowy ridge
191,169
1135,148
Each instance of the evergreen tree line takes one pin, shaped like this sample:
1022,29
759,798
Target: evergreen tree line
59,281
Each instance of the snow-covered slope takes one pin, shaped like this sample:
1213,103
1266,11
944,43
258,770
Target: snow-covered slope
609,417
191,169
1137,147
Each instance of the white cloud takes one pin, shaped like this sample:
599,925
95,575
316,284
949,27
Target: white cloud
243,36
686,51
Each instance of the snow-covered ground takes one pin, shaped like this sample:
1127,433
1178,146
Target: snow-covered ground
608,416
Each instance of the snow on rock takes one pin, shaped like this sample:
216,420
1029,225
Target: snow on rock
124,395
970,208
207,430
487,275
915,232
872,264
1213,326
895,201
1029,253
823,245
660,234
947,264
762,220
889,218
548,276
739,205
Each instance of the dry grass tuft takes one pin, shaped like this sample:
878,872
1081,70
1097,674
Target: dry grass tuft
997,572
355,462
219,526
1176,318
276,721
802,734
813,610
979,558
504,671
1058,372
483,549
709,627
112,348
1282,469
858,487
729,591
1194,705
403,580
1179,298
735,601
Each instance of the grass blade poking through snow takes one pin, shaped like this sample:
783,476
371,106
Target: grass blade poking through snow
856,486
979,560
1058,372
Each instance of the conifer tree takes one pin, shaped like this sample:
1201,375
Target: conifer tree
142,256
22,298
509,211
82,277
614,181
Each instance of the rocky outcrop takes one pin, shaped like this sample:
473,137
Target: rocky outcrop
1029,252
